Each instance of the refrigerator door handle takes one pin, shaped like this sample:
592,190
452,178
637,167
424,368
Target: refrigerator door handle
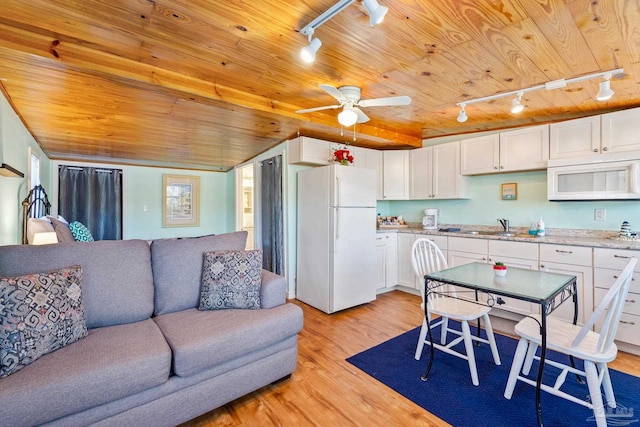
338,201
335,246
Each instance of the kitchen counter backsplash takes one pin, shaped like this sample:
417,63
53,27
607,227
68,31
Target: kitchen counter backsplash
558,236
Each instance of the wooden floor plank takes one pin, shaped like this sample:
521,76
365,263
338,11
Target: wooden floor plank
326,390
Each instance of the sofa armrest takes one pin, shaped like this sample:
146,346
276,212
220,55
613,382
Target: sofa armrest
273,290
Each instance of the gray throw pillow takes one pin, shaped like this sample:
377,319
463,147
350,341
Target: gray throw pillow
62,230
39,313
231,279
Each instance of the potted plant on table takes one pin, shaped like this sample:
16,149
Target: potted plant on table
499,269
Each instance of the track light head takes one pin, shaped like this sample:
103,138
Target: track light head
605,93
308,53
462,117
375,11
516,106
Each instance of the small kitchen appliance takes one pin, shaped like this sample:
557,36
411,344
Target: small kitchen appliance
430,219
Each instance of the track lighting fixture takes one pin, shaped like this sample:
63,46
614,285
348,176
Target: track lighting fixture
604,93
516,106
308,53
462,117
375,11
376,15
347,117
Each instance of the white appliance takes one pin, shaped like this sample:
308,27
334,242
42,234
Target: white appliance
610,177
336,237
430,219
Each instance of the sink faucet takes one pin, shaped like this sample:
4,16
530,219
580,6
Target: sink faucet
504,223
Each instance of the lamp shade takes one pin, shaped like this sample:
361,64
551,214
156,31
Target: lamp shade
45,238
376,12
308,53
347,117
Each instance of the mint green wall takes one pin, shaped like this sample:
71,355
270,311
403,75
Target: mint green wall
144,187
485,206
15,141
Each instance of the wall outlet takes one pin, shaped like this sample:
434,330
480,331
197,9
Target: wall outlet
145,208
600,214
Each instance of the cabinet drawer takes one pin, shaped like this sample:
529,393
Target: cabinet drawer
631,304
440,241
575,255
503,248
628,329
614,259
461,244
603,278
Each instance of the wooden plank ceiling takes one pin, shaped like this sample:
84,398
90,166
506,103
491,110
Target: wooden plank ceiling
203,84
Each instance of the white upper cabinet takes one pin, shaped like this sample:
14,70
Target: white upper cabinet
370,159
310,151
396,175
420,177
621,131
574,138
435,173
517,150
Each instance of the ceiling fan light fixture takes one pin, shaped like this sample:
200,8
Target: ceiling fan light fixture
308,53
516,106
347,117
375,11
605,93
462,117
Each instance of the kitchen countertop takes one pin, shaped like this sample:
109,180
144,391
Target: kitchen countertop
590,238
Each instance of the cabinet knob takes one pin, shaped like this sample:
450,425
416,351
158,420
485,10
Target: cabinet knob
605,148
542,266
495,167
501,167
595,150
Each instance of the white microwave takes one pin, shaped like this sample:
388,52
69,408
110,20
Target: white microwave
608,180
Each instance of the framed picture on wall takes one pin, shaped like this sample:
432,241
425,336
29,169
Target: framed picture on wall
180,201
510,191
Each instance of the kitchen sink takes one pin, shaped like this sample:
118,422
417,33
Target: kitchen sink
498,233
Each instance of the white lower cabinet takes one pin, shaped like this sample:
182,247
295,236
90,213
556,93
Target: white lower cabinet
608,263
386,261
406,276
576,261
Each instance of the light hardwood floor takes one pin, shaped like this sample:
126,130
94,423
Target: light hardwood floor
325,390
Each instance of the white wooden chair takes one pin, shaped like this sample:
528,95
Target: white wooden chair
427,258
596,349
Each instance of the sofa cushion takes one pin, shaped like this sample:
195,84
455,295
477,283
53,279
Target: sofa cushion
177,268
203,339
117,286
39,313
109,364
231,279
80,232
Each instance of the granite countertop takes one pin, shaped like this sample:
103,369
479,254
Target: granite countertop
557,236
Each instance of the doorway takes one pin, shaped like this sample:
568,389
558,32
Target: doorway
245,186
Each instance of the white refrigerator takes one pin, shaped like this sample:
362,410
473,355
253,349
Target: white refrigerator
336,237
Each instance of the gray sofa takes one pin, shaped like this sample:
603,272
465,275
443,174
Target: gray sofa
151,358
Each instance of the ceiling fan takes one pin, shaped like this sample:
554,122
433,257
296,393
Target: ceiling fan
349,99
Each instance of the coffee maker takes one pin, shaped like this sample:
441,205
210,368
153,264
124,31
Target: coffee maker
430,219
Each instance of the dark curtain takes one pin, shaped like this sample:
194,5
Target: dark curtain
92,196
271,215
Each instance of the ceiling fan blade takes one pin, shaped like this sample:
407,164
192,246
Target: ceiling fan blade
333,91
362,117
382,102
326,107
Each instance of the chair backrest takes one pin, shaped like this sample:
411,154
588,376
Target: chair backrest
426,257
611,307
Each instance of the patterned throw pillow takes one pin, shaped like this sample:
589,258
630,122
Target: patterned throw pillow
231,279
80,232
39,313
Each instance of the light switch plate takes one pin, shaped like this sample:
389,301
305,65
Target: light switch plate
600,214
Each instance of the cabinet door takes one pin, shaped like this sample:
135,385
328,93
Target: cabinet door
381,262
513,305
370,159
310,151
391,268
396,175
574,138
524,149
621,130
420,166
447,181
406,276
480,155
584,280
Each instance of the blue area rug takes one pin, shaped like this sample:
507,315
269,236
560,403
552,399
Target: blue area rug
450,395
